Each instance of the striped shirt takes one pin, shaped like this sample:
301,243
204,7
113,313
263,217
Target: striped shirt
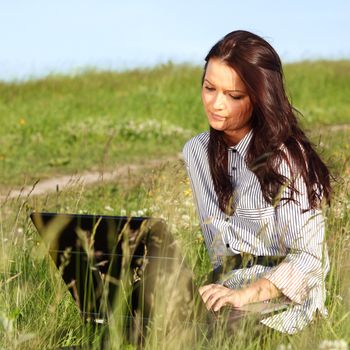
258,228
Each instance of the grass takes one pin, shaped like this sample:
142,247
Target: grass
61,124
35,308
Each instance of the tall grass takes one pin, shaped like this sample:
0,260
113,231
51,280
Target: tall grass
36,310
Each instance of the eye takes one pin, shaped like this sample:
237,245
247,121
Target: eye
208,88
235,97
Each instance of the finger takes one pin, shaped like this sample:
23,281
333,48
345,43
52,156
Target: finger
211,296
213,288
232,298
206,287
215,299
220,303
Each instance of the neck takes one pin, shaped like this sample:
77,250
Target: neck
232,138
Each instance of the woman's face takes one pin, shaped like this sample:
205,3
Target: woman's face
226,102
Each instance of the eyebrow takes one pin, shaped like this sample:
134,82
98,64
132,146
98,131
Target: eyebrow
236,90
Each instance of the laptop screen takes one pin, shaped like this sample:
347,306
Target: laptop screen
90,252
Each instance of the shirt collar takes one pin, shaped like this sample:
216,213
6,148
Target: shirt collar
242,146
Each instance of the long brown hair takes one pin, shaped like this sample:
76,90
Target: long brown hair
274,123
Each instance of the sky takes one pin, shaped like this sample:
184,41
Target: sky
38,37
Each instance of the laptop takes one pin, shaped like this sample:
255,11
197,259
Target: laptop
90,252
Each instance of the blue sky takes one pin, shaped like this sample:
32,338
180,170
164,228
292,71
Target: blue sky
42,36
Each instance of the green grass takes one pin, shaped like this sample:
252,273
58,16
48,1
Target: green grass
319,90
36,311
35,303
61,124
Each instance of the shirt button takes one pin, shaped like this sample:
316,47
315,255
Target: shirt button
227,219
234,150
234,168
227,245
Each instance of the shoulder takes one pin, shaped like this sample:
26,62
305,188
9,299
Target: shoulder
291,163
197,146
291,159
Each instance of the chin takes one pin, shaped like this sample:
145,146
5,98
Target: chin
217,126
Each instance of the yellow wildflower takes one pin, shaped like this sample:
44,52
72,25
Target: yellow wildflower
187,193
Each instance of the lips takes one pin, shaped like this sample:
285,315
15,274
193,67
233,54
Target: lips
217,117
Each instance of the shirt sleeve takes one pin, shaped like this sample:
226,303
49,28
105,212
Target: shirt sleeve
302,233
204,197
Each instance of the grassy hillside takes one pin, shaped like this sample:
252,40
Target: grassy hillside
64,124
36,311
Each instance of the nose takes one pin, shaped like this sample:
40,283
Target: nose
218,102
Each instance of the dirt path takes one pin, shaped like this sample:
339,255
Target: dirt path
87,178
334,128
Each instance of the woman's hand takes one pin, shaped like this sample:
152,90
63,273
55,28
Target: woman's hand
215,296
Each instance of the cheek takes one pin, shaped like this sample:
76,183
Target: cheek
249,106
206,99
246,109
236,110
249,109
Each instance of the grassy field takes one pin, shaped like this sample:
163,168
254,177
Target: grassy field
62,125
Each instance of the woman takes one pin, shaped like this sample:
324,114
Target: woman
258,185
